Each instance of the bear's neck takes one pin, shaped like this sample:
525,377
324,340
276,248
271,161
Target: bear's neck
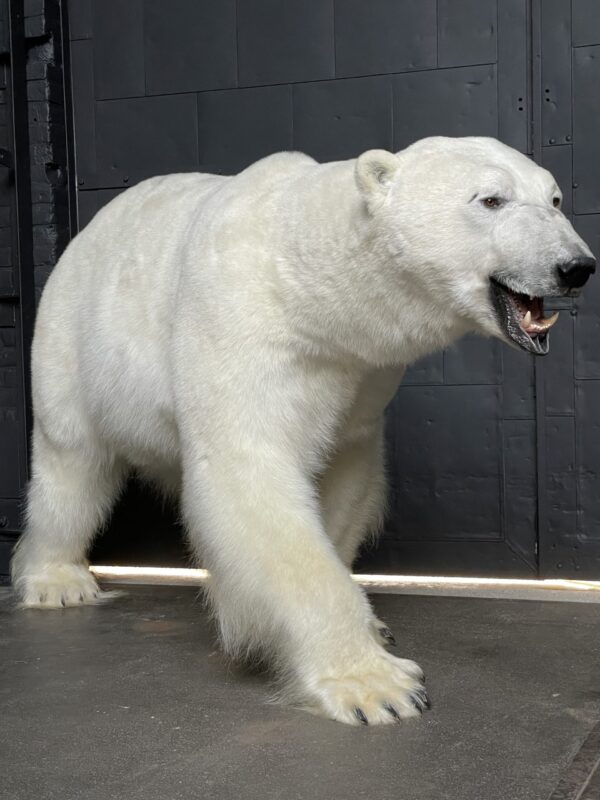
343,290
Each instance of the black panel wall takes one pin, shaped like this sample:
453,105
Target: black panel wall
35,219
493,460
13,466
570,138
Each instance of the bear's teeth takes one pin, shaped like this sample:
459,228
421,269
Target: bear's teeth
527,320
549,321
540,325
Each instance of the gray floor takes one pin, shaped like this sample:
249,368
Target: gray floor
132,700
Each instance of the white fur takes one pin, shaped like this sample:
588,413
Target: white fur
238,338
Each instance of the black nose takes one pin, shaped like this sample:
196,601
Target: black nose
575,273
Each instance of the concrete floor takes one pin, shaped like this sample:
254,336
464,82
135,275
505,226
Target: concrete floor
132,701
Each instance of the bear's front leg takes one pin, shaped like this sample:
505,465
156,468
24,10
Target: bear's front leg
280,591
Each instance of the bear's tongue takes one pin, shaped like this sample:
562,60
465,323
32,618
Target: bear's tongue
530,313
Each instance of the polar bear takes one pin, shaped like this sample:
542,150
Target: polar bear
236,340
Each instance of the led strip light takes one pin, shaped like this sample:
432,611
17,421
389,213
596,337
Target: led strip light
199,576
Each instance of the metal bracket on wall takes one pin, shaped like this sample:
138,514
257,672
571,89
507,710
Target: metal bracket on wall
6,158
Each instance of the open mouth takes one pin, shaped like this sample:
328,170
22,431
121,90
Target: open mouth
521,316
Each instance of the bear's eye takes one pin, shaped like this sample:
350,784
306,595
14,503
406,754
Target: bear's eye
556,202
491,202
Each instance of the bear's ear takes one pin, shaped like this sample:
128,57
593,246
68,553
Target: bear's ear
374,172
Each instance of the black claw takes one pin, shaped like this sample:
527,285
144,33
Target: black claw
423,694
391,710
420,700
62,602
360,714
388,636
416,703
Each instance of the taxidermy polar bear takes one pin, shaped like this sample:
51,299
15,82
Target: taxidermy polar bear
236,340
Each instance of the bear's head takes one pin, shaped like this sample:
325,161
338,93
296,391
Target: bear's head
476,228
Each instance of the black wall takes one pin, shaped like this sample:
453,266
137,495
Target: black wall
37,217
493,458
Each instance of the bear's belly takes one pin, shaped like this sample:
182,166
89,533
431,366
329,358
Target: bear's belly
129,396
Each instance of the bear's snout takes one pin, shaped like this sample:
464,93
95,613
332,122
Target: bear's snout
575,273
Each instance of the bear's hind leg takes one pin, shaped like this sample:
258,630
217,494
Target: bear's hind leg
352,493
70,494
353,496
